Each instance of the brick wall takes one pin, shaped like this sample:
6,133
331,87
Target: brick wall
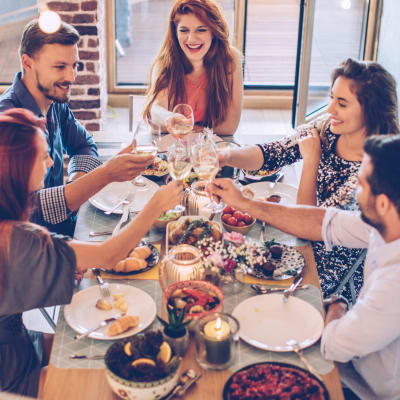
88,98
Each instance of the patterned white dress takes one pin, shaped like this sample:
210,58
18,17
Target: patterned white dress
336,183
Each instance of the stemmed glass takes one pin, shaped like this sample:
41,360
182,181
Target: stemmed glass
146,137
179,164
181,122
206,165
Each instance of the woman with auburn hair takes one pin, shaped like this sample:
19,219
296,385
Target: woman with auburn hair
36,267
363,102
196,65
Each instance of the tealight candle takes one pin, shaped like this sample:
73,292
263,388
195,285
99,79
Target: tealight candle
217,342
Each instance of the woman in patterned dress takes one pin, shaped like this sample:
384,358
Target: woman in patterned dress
363,102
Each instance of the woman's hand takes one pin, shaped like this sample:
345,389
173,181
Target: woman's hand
226,190
310,148
167,197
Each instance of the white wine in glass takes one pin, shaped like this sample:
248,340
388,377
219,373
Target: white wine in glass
206,172
179,169
145,150
206,165
181,121
179,164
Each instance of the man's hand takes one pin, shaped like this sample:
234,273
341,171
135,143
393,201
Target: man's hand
226,190
125,166
167,197
335,311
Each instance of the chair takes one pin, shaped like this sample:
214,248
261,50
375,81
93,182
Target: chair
349,277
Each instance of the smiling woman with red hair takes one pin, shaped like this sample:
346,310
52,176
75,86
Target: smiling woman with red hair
196,65
36,267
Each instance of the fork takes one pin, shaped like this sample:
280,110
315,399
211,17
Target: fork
104,287
296,348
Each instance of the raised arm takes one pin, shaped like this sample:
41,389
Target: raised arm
300,221
108,253
231,122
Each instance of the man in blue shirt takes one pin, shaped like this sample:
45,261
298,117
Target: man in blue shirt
49,66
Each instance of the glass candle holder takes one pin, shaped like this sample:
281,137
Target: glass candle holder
217,338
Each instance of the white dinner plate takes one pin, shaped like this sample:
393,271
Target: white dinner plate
114,192
268,323
82,314
287,192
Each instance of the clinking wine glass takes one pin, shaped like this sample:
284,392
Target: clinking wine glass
179,164
181,122
147,137
206,165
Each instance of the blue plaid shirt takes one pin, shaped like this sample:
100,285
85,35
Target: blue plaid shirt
64,135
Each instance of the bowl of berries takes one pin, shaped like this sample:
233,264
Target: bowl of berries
236,221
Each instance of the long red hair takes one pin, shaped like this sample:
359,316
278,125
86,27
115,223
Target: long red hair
171,63
18,130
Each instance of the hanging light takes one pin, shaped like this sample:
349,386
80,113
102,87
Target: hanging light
346,4
49,21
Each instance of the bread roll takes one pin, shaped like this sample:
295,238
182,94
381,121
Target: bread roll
130,264
134,264
123,324
141,252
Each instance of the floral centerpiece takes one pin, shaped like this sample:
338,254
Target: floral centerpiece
226,261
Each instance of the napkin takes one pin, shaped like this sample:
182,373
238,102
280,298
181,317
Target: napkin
151,274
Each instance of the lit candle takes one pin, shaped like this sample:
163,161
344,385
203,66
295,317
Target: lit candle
217,341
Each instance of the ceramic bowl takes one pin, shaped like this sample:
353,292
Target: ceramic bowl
202,285
132,390
240,229
161,224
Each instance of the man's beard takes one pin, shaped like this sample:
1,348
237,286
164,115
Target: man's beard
45,91
376,224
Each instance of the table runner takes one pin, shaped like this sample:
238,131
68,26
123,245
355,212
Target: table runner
64,343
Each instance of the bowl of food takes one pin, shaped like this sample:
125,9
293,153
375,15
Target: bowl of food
198,298
142,367
166,217
191,229
236,221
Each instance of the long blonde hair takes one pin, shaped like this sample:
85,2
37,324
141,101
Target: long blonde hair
171,63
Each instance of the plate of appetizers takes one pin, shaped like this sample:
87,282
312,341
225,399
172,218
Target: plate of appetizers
88,310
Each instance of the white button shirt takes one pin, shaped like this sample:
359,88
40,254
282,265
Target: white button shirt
368,335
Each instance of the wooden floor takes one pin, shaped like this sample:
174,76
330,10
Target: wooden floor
271,42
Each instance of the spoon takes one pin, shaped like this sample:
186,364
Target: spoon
296,348
110,211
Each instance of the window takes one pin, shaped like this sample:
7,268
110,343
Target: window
14,15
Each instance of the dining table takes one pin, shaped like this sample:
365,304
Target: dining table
82,379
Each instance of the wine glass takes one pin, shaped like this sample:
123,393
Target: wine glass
179,164
181,122
147,137
206,165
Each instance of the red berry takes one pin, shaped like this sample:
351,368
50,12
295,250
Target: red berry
225,217
241,223
227,210
238,215
232,221
247,219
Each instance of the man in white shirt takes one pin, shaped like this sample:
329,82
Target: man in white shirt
367,337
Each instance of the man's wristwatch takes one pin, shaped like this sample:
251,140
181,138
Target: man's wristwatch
334,299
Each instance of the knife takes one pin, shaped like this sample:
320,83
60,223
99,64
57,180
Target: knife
288,292
104,323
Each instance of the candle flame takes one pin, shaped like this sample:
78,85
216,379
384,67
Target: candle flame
218,324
